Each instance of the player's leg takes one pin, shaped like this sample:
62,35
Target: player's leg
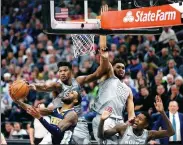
81,133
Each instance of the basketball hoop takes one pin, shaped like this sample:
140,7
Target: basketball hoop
83,44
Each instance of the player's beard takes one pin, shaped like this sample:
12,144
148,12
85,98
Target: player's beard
119,76
67,100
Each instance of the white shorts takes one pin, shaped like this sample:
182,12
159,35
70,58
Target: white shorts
109,123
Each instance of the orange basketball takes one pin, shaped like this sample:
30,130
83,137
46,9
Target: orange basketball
19,89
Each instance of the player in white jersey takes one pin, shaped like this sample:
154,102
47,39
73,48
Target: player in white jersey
115,93
135,133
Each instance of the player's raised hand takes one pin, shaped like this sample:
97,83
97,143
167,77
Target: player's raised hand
103,39
158,104
107,112
34,112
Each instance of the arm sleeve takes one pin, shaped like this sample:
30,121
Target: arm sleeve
53,129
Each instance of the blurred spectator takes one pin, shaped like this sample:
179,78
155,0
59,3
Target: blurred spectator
170,82
18,131
160,91
152,58
167,34
8,130
175,96
134,67
177,57
165,56
171,64
144,103
179,84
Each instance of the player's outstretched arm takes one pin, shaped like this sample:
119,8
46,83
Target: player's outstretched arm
110,132
161,133
104,67
46,87
130,106
53,129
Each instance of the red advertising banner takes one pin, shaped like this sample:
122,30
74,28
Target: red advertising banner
157,16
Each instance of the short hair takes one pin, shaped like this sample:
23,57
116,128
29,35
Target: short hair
79,99
118,60
173,102
148,119
64,63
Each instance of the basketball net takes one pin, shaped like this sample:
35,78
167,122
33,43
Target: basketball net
83,44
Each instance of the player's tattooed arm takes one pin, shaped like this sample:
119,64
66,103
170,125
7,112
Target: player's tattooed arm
161,133
69,120
46,87
22,104
45,111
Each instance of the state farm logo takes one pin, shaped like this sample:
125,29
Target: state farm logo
128,17
141,16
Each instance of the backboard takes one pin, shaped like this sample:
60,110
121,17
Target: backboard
83,17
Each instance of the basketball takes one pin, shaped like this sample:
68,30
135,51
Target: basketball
19,89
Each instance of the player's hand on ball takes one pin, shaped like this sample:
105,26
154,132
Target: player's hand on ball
32,87
106,113
34,112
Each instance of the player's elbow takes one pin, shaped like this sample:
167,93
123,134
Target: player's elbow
170,132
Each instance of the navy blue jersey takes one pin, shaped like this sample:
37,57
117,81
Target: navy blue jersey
55,118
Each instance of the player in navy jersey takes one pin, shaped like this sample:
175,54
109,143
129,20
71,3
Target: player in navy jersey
63,119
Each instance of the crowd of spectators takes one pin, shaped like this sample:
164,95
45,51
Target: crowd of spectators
154,64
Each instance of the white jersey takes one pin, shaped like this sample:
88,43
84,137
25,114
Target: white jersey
57,102
112,93
130,138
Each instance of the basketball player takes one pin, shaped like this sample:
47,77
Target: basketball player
63,119
114,93
136,132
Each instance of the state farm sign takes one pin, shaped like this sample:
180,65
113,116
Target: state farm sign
141,16
158,16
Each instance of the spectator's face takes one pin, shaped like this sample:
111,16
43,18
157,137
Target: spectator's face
144,92
113,47
151,53
178,82
175,53
8,127
160,90
174,90
164,52
170,80
17,126
133,48
64,73
173,72
158,80
135,61
171,64
119,70
173,107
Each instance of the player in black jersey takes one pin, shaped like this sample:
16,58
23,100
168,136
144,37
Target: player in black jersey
63,119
